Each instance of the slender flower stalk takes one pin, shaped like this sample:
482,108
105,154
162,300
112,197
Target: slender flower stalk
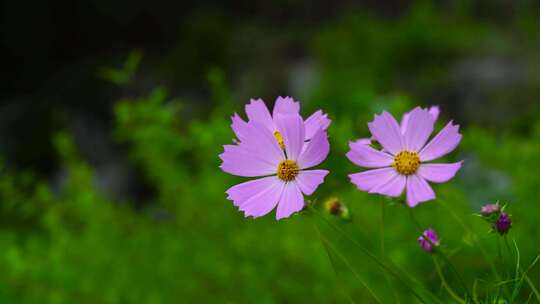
383,251
429,238
387,265
445,284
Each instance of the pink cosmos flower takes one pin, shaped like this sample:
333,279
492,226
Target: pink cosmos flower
256,110
283,176
404,161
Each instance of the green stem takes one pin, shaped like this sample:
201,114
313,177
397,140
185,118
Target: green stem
518,282
479,244
370,255
382,229
501,260
327,243
475,291
327,250
383,252
533,288
517,271
442,255
445,284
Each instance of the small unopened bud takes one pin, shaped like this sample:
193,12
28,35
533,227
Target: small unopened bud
503,224
490,209
495,214
335,207
429,240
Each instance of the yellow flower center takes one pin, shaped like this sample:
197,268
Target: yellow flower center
279,139
406,162
287,170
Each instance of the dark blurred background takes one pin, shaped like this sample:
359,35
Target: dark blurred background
52,52
80,109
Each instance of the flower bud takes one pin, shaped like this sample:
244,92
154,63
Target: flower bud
429,240
334,206
490,209
503,224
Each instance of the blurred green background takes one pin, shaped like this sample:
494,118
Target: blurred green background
113,113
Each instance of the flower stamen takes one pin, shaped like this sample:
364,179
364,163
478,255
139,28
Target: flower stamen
288,170
279,139
406,162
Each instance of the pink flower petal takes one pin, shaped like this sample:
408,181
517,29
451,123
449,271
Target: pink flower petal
262,203
291,127
315,152
387,132
291,201
239,126
445,142
418,190
394,187
418,129
240,193
309,180
242,162
439,173
256,110
370,179
286,105
257,155
405,122
365,156
435,111
262,143
316,121
363,141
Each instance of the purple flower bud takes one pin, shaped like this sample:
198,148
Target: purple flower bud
503,224
490,209
429,240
